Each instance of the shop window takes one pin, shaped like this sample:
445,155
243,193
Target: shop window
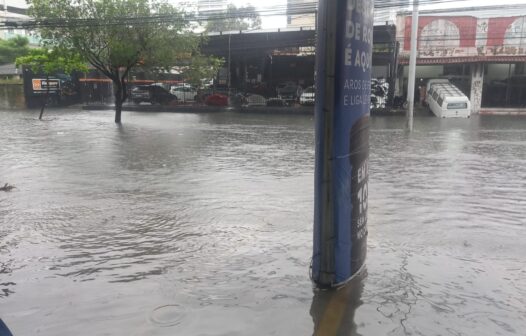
520,68
457,70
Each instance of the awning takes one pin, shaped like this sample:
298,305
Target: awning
465,59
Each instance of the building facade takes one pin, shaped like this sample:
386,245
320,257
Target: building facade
484,57
16,14
205,7
296,16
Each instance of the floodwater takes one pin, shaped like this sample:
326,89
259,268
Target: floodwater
201,224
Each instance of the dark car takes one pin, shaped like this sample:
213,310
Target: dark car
288,92
153,94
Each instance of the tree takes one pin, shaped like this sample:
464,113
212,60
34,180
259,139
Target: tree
236,18
202,67
115,36
50,62
12,48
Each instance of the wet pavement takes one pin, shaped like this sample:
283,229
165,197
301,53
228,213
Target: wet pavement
201,224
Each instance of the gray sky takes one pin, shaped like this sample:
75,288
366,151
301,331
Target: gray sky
281,21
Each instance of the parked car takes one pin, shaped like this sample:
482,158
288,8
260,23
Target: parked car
183,85
217,100
308,96
163,85
140,93
275,102
248,99
288,91
153,94
283,85
184,93
255,100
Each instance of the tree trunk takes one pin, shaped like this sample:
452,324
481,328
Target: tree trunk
117,90
46,97
118,109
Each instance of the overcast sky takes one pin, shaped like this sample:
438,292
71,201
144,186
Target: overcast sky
267,21
281,21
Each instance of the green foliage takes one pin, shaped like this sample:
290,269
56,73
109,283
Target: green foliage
202,67
113,34
237,18
13,48
49,62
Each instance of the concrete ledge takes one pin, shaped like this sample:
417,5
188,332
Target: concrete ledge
159,108
503,111
276,109
299,110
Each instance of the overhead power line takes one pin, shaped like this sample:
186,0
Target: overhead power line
291,9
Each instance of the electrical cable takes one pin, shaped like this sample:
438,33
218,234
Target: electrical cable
290,9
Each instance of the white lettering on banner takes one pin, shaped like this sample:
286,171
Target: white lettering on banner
358,31
363,171
362,60
357,84
367,35
348,55
350,100
359,28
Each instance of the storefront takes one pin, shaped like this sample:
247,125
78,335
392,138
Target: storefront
262,60
484,57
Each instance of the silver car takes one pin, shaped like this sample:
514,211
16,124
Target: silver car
184,93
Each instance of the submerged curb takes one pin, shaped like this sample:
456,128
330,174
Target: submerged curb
302,110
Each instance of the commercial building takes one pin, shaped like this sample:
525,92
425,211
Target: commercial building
484,56
13,13
206,7
261,60
301,13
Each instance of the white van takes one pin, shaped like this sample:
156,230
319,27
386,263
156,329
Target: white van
445,100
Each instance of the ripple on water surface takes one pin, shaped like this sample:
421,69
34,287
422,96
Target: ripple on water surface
202,225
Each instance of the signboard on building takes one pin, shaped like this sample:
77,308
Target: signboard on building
464,38
42,85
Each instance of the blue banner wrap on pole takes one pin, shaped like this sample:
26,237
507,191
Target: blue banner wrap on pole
343,83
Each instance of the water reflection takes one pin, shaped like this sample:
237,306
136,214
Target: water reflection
333,311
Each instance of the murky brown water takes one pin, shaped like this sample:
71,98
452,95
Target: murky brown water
184,224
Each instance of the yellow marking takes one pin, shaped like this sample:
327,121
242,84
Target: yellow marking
334,312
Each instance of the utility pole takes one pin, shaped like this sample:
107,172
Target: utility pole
343,89
412,67
229,62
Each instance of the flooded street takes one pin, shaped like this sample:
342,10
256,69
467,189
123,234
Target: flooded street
201,224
